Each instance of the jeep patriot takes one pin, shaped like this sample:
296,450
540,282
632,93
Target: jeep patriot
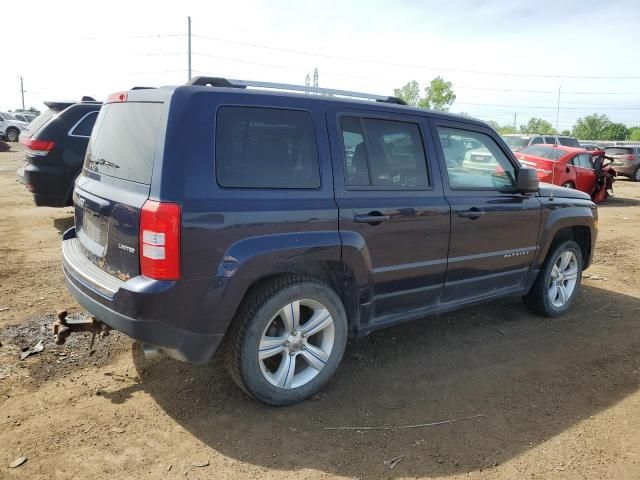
275,221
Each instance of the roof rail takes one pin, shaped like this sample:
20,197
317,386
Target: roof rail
228,83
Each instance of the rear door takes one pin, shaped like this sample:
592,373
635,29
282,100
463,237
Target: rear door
585,174
494,229
115,183
391,206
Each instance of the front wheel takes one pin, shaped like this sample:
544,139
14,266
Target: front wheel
557,284
287,340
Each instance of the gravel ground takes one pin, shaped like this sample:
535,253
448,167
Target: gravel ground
549,398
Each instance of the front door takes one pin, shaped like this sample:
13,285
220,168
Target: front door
494,228
391,207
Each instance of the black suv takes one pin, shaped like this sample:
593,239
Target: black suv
277,224
55,145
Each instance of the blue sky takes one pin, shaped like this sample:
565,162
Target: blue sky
504,58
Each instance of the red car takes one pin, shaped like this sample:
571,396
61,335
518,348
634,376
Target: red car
569,167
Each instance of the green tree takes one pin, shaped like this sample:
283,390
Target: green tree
410,93
634,134
615,131
502,129
438,95
566,132
538,125
591,127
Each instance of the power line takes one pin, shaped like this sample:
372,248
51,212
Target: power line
545,91
380,62
544,107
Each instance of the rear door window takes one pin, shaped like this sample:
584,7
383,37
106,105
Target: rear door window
550,140
536,140
123,141
266,148
383,153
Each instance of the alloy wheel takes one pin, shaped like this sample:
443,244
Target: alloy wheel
563,279
296,344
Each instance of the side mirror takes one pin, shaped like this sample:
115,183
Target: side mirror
527,181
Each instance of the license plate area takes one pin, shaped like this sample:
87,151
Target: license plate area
93,232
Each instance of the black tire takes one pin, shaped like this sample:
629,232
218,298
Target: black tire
635,177
538,297
256,314
569,185
12,134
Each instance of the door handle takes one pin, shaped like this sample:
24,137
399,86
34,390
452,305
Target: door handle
472,213
372,218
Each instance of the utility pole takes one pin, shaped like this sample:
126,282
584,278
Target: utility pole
189,45
22,90
558,109
515,119
315,77
307,81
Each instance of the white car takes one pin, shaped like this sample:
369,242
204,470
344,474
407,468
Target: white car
10,127
479,160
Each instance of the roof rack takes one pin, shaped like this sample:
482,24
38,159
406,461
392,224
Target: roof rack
228,83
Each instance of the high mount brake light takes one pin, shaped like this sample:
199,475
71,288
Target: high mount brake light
160,240
117,97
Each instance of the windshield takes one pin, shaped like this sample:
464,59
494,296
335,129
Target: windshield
569,142
543,151
618,151
40,120
516,141
123,141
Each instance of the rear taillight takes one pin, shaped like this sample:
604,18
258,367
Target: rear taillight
160,240
630,157
38,145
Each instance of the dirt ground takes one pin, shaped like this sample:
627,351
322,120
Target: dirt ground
553,398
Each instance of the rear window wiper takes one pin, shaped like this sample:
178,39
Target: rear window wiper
102,161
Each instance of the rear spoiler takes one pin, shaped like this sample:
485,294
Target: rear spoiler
62,104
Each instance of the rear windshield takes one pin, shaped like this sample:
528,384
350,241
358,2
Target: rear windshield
516,141
618,151
568,142
543,151
123,141
41,119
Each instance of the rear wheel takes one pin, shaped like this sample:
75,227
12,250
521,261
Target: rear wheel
287,340
12,134
568,185
557,284
636,175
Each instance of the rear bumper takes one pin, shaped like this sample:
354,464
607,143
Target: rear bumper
111,301
49,184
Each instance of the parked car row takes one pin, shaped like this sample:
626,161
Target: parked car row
275,225
517,141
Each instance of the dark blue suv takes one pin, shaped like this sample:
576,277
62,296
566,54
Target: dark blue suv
276,224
